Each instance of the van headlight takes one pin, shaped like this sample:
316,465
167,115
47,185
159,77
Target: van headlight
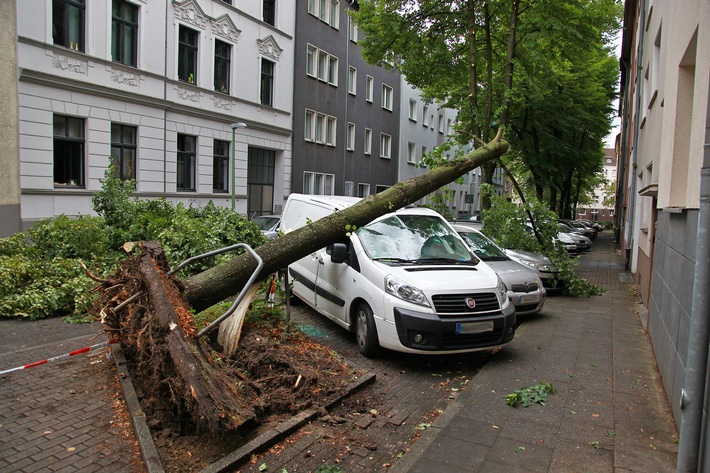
502,293
405,291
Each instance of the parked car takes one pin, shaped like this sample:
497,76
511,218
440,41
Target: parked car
577,227
583,243
525,289
596,225
268,225
406,282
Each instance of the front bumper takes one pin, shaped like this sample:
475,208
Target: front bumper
430,332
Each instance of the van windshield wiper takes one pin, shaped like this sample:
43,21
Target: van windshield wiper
392,259
445,261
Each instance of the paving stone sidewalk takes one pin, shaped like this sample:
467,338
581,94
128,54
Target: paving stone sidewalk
609,414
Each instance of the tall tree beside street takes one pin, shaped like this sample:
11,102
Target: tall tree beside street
507,63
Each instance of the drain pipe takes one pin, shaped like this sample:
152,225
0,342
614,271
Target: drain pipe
695,400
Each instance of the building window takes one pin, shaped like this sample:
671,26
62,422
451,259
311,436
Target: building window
333,70
322,65
411,152
123,150
368,141
269,12
260,181
187,55
350,137
311,54
363,190
317,183
413,110
267,82
220,166
330,127
352,80
385,146
309,126
380,188
441,124
320,128
386,97
425,115
124,32
352,31
312,7
68,23
424,151
222,66
369,87
323,9
68,151
334,14
186,157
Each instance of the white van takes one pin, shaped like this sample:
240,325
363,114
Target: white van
405,281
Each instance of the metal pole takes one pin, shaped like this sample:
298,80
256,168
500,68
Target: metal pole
234,127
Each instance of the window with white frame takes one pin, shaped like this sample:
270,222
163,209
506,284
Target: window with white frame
368,141
311,66
425,115
322,65
68,23
413,110
222,66
318,183
352,80
363,190
123,150
386,97
323,9
350,137
309,126
332,70
385,146
424,151
441,123
352,31
330,127
313,7
369,87
187,55
320,128
411,152
334,14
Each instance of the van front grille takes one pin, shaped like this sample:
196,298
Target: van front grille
461,303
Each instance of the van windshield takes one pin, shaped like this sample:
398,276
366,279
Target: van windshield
413,239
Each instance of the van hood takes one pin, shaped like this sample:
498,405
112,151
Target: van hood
444,277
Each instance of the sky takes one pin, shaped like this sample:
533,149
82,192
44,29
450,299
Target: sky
609,140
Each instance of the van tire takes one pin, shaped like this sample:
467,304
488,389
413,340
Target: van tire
366,332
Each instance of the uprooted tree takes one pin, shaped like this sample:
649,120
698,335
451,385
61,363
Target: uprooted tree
156,326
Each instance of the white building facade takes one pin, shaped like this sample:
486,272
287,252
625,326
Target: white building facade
163,90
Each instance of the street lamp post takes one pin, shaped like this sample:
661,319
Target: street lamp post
234,127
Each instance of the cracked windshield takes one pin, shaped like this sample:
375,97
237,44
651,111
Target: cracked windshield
413,239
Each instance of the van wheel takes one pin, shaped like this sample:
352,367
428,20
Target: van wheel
366,332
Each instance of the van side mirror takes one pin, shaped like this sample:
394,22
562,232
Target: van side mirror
338,252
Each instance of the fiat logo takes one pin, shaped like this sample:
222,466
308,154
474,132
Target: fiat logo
470,303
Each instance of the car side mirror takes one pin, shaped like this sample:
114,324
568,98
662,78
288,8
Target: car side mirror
338,252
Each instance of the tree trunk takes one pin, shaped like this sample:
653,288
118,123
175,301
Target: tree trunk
227,279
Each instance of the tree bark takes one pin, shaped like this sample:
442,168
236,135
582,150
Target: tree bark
227,279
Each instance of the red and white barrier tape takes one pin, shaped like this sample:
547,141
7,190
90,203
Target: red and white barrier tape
60,357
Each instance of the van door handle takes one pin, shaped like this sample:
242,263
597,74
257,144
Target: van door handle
320,261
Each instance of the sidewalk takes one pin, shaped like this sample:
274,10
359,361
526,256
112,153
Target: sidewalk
610,413
64,416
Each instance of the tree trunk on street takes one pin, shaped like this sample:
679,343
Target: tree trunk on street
227,279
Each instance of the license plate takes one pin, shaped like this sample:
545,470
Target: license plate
527,298
474,327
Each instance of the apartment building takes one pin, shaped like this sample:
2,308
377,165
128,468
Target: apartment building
346,112
662,215
192,98
599,210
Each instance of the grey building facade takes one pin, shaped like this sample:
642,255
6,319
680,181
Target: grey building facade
346,112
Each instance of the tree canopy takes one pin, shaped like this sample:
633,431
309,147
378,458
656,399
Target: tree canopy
542,69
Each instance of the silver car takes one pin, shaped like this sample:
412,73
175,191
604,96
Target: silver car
540,265
525,289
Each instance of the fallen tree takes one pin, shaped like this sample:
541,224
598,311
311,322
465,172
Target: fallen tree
214,285
156,328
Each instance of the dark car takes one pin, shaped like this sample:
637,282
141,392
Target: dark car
578,227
